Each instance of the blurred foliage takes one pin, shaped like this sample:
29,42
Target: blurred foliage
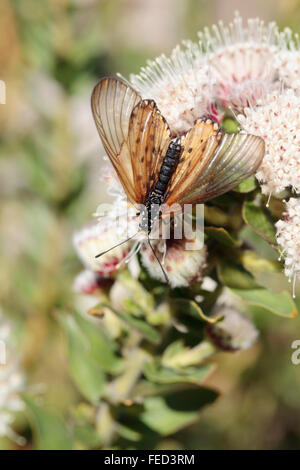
51,55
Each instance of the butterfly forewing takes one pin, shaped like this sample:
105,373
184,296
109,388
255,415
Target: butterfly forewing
148,141
134,134
112,105
225,162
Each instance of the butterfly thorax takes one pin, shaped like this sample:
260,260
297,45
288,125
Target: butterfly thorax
156,196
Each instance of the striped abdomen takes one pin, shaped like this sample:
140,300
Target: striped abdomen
156,197
168,166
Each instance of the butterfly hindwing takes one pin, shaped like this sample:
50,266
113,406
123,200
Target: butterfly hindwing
112,104
225,162
198,145
238,157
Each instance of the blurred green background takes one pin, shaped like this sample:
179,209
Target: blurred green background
51,55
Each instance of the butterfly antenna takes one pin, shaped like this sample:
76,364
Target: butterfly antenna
115,246
164,272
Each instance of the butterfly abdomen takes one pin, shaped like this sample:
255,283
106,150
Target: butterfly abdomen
156,196
168,167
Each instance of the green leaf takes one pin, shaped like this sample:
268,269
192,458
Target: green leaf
260,222
253,262
155,372
139,324
102,349
246,186
128,433
281,304
266,272
85,371
232,275
150,333
222,236
173,411
257,243
87,435
215,216
49,430
190,307
146,388
177,347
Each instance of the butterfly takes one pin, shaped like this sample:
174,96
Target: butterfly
157,169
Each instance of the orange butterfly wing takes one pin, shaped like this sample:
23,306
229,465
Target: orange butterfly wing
201,140
148,141
112,104
214,166
134,134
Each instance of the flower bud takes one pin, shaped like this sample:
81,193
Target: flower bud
99,237
87,282
234,332
183,267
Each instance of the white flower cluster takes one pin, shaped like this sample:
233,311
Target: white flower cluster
287,61
241,60
278,122
251,69
230,66
181,86
288,237
12,382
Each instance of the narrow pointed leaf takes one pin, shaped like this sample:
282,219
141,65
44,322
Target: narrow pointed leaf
222,236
